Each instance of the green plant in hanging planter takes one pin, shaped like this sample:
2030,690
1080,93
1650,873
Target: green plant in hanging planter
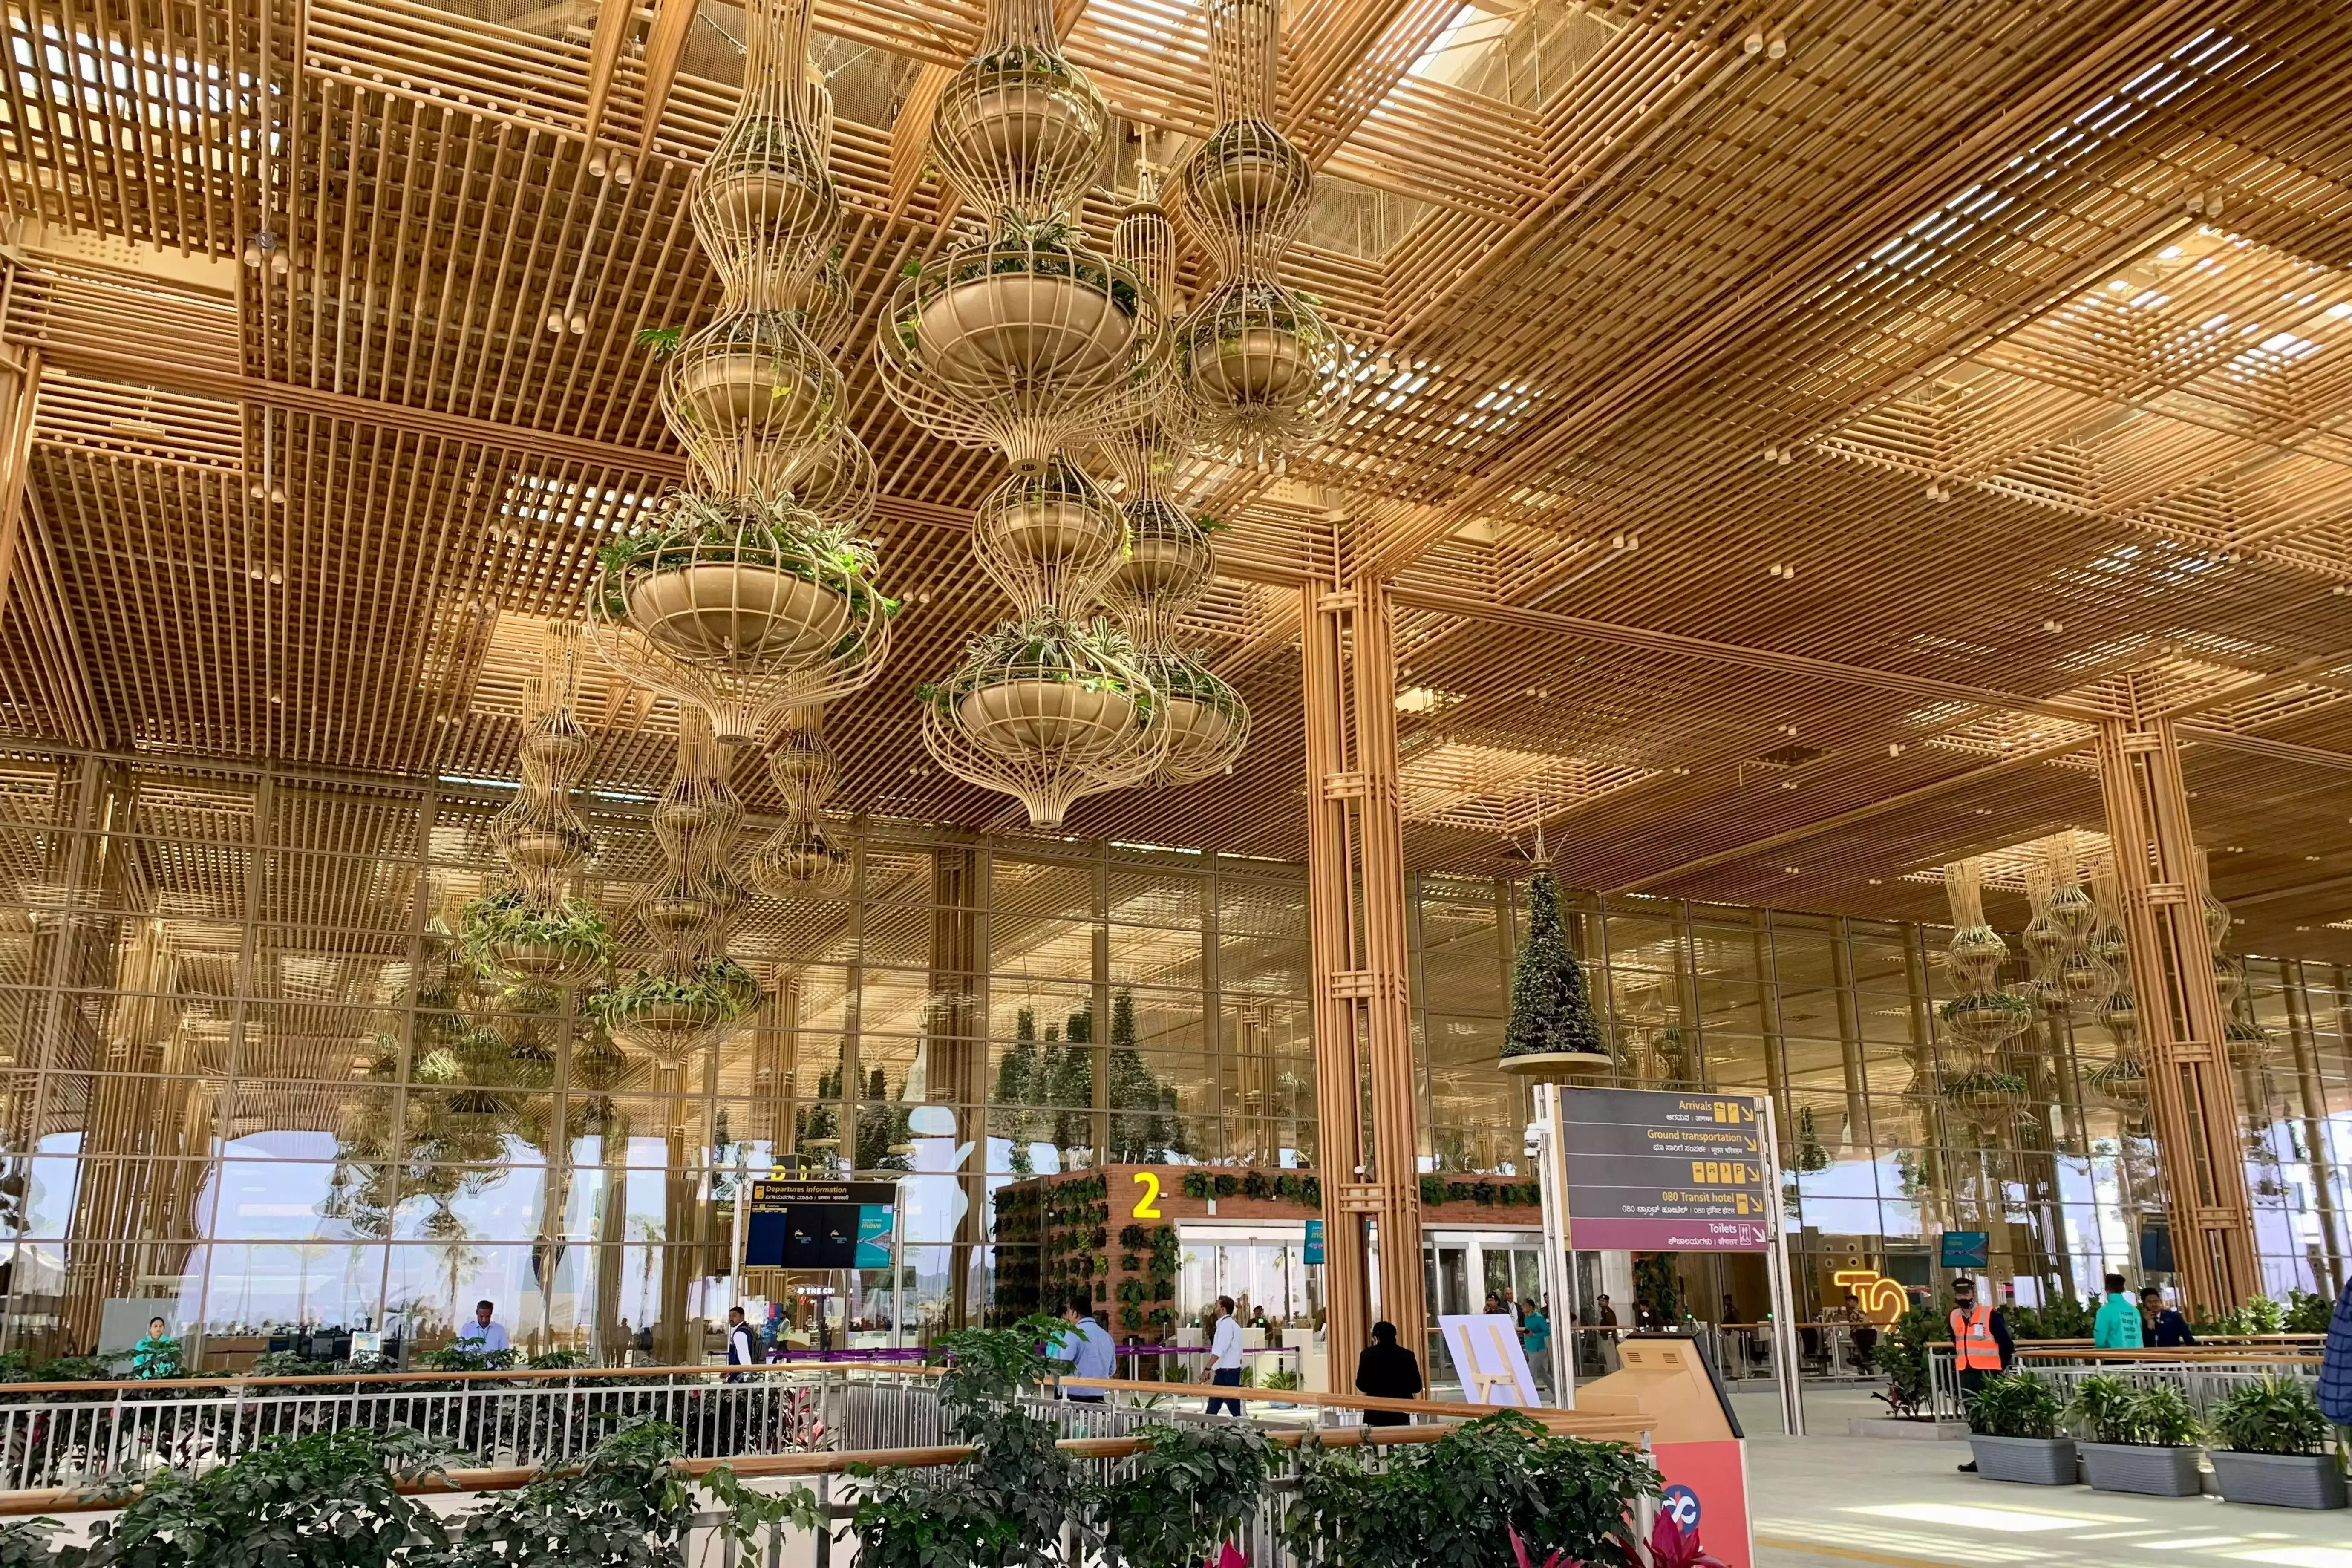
719,990
1551,1008
776,533
498,934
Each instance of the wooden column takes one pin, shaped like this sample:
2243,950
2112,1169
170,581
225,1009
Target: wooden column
1363,1027
2192,1105
20,393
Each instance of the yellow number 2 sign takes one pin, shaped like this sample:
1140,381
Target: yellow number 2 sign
1146,1203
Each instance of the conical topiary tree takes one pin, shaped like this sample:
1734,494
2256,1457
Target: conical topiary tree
1551,1013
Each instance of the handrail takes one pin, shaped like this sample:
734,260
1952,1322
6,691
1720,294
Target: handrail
1568,1423
509,1374
1595,1426
2179,1354
508,1478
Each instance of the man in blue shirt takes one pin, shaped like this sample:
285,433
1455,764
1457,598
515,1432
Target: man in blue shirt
1087,1345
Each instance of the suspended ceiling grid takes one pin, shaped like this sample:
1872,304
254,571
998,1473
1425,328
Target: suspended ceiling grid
2008,333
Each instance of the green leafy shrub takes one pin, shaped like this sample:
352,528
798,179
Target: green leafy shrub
2116,1410
1193,1488
2274,1415
2015,1404
325,1500
1457,1502
625,1505
1007,1507
2064,1317
573,926
1902,1358
2307,1313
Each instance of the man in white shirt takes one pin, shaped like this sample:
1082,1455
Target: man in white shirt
742,1340
1225,1355
482,1336
1088,1346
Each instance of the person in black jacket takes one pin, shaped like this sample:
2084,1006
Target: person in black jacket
2162,1326
1386,1370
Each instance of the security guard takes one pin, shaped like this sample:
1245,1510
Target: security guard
1981,1345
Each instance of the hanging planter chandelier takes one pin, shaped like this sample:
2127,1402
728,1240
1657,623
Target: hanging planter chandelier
2069,977
1028,339
534,932
690,992
750,592
1984,1014
1170,557
1264,374
1048,710
2121,1082
798,860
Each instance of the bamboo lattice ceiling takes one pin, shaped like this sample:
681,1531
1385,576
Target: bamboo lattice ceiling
1789,426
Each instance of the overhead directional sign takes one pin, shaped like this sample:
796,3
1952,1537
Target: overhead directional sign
1655,1172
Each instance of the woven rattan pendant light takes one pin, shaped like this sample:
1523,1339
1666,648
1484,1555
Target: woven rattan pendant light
750,593
1267,375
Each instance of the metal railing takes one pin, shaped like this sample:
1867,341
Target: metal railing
892,1418
2205,1379
62,1436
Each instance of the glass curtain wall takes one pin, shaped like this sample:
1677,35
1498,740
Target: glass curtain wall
248,1081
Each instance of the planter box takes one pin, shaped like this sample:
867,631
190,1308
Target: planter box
2037,1461
2281,1480
2142,1468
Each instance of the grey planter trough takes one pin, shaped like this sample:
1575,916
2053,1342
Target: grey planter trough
2037,1461
2142,1468
2280,1480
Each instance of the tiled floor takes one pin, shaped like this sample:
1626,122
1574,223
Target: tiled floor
1833,1501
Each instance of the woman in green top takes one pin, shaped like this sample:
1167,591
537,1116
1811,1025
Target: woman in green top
157,1355
1536,1329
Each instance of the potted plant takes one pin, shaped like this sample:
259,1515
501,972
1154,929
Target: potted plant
1253,342
763,175
2274,1447
1168,553
1551,1027
1054,521
2142,1438
767,583
508,935
1030,305
1047,686
669,1014
1206,719
1246,174
1987,1017
1020,112
753,372
2013,1431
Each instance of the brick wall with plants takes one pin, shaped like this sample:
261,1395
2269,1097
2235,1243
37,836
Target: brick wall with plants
1081,1232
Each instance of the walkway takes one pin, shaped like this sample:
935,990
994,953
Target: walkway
1836,1501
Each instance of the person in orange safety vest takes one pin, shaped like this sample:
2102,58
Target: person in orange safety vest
1981,1343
